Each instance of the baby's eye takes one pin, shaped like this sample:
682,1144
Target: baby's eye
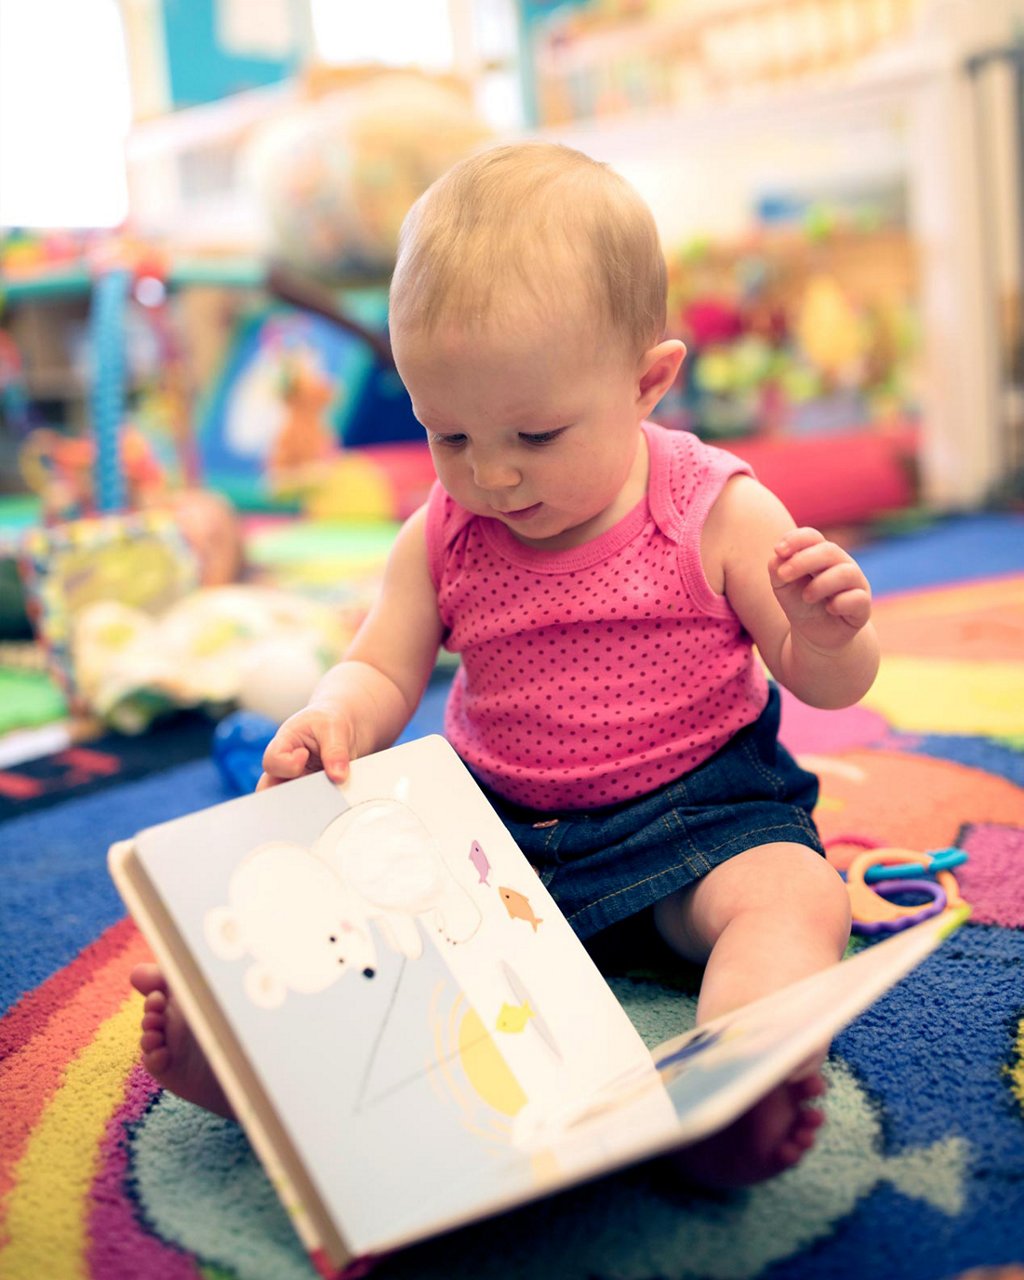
540,437
450,442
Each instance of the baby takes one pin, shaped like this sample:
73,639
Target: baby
605,583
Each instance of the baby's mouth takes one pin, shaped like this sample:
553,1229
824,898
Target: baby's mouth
523,513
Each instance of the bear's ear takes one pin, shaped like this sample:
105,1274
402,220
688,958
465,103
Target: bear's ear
264,989
224,934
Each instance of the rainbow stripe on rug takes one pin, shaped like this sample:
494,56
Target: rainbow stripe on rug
920,1171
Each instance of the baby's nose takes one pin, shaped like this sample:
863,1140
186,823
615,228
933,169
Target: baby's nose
495,474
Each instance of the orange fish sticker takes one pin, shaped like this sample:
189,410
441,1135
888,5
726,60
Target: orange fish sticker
518,906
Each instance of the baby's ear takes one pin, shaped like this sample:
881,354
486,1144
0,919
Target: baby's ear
657,371
224,934
264,988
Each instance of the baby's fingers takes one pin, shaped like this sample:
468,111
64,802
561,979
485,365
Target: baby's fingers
797,540
832,582
808,562
335,755
853,606
285,758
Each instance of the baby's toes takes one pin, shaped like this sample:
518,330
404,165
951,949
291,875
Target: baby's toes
806,1088
152,1041
804,1137
146,979
155,1003
156,1056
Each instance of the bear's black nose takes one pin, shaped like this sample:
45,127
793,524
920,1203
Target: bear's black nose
369,973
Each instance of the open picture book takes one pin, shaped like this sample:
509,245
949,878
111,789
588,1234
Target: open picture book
406,1026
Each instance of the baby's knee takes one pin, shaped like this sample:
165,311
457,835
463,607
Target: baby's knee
802,890
823,899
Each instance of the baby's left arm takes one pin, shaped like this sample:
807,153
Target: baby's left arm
805,600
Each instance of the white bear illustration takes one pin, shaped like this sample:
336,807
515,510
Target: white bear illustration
303,915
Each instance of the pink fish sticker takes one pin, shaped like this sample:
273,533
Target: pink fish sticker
518,906
479,860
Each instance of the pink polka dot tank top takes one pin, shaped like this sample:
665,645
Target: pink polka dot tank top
597,674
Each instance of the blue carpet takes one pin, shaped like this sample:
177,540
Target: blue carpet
953,550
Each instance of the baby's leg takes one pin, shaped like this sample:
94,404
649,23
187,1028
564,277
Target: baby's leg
170,1052
758,922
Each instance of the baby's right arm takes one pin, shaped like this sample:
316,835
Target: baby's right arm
363,704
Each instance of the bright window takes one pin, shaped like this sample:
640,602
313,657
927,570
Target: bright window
64,112
393,33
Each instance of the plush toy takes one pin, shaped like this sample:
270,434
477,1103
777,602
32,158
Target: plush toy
252,646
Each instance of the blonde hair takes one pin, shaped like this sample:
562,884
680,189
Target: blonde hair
522,230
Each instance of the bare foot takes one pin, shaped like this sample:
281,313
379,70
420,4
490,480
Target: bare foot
170,1052
774,1135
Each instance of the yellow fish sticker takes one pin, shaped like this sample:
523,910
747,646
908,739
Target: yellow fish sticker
514,1017
518,906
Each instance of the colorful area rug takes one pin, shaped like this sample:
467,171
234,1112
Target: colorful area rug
919,1173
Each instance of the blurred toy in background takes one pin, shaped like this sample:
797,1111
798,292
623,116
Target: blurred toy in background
215,648
164,408
140,560
335,177
25,253
276,429
272,413
802,332
15,412
60,469
239,741
254,647
17,415
831,332
307,461
735,342
304,438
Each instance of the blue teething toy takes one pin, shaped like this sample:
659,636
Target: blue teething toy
239,741
943,860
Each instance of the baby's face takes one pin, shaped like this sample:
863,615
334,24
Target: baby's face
539,430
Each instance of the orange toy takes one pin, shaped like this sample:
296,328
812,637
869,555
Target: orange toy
305,439
872,913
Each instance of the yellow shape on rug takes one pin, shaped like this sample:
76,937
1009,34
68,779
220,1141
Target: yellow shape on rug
931,695
1016,1072
46,1227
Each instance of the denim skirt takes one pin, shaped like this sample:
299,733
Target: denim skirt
605,865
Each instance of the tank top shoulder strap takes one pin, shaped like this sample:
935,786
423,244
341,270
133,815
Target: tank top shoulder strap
686,478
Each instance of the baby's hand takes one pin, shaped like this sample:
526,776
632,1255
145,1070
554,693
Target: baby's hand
822,590
308,741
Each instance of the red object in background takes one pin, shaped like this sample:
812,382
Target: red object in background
410,469
837,479
710,322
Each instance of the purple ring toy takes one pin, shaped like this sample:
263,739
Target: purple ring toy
890,889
